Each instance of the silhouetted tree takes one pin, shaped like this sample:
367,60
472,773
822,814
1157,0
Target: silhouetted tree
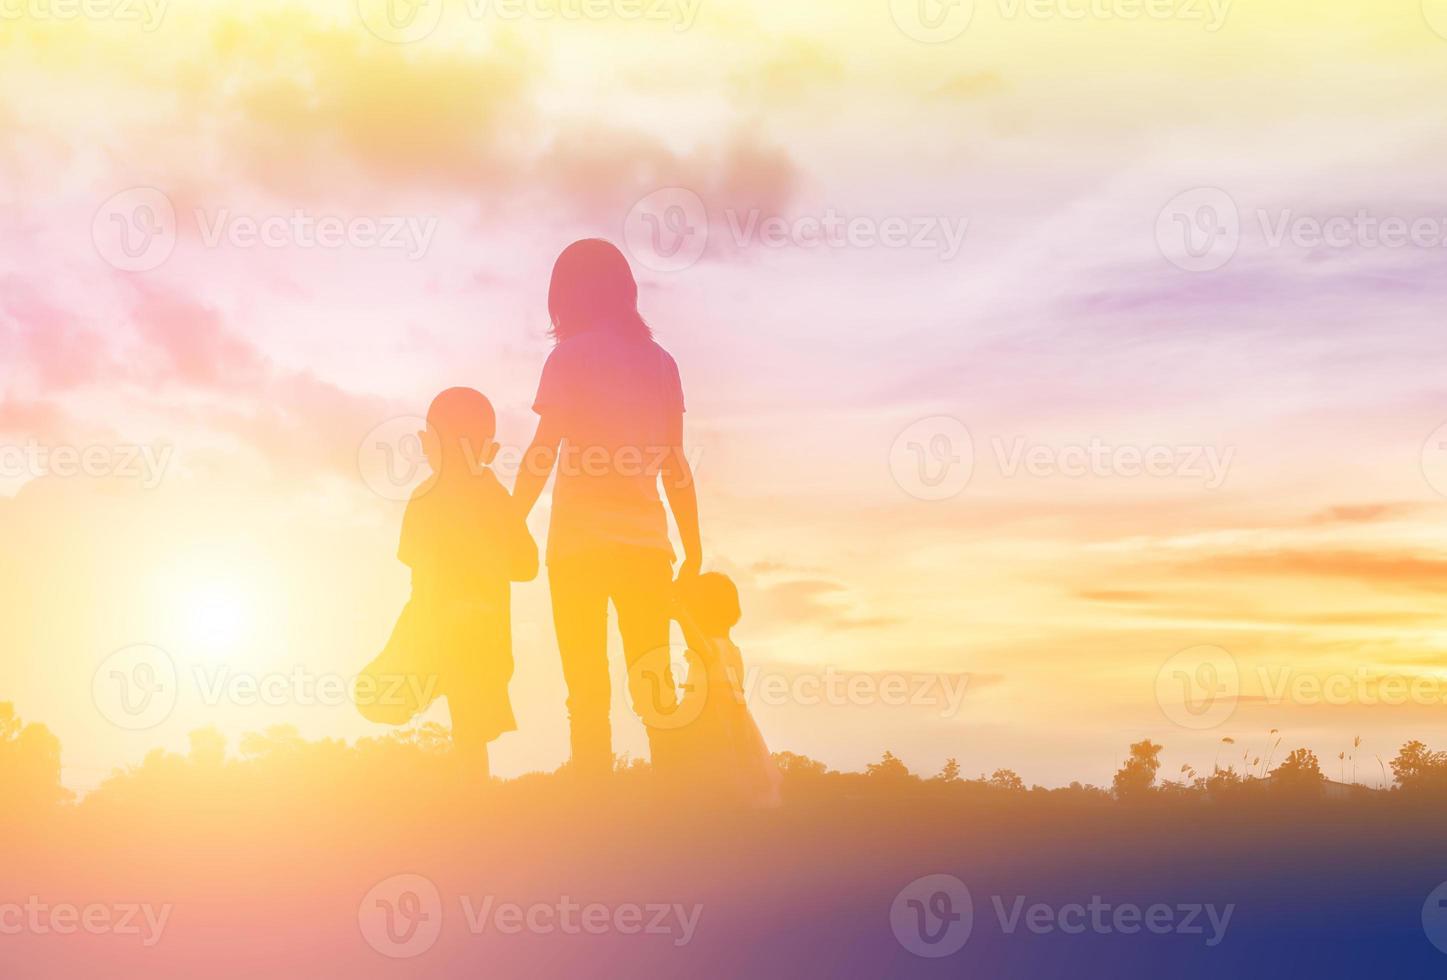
795,766
208,748
1299,774
888,767
950,773
1419,769
29,763
1007,780
1138,775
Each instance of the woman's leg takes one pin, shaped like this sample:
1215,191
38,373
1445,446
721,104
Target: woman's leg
580,617
642,594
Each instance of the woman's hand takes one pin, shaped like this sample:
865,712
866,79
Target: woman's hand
690,568
537,466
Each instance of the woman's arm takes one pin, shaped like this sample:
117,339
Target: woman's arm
682,498
537,465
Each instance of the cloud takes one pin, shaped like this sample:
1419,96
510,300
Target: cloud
1362,513
41,334
300,104
816,602
603,170
1378,569
1118,596
969,86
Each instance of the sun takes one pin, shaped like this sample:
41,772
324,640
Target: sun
217,616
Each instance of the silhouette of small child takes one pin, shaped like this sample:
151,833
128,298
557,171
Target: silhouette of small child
726,750
465,544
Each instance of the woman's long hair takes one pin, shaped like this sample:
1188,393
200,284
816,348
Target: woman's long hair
593,287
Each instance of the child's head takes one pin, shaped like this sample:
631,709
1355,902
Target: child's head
712,600
461,425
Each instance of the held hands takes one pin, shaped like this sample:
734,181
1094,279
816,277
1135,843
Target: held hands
690,567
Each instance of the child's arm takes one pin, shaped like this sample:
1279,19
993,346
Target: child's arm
522,550
692,635
416,550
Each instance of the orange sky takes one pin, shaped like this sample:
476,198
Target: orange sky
1287,395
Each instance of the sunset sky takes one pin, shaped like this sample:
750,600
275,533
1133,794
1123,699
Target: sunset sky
261,370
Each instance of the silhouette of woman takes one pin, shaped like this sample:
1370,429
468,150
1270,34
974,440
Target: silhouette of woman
610,407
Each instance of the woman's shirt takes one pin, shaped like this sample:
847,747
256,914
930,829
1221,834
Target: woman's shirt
614,398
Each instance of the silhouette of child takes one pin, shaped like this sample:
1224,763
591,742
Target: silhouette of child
726,751
465,544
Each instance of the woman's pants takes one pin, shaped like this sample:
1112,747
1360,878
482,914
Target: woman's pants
639,582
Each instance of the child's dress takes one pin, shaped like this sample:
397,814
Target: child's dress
729,752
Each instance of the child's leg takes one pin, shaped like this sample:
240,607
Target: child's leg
469,742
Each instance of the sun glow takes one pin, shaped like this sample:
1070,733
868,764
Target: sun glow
218,617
